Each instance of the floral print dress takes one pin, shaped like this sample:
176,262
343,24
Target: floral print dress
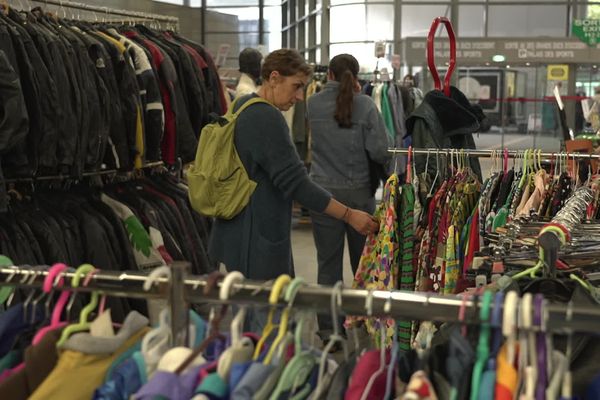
378,268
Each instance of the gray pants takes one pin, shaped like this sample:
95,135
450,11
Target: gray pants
329,234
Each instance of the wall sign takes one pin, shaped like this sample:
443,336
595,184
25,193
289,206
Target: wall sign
480,50
587,30
558,72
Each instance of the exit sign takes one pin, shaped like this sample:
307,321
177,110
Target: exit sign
587,30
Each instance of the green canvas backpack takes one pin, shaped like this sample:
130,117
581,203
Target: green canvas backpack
219,185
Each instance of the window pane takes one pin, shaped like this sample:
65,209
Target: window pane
216,3
237,41
471,21
318,31
416,20
336,2
233,20
364,53
177,2
380,22
542,20
272,17
347,23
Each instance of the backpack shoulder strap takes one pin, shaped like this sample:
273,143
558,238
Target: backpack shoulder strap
250,102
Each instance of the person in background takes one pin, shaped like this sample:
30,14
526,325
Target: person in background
257,241
250,63
347,132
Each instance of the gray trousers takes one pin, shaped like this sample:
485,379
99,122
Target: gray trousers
329,234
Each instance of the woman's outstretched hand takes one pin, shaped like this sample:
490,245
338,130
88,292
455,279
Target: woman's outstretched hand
364,223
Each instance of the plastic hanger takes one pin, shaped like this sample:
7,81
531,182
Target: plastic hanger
496,322
545,352
157,340
336,304
278,287
389,383
527,347
242,348
431,54
483,346
567,386
87,310
382,349
51,281
298,370
437,173
225,292
6,291
211,284
509,325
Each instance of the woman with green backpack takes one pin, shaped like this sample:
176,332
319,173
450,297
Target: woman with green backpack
256,241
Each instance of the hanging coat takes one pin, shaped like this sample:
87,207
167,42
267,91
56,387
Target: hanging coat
444,122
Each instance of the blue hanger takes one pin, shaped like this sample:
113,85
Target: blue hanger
496,322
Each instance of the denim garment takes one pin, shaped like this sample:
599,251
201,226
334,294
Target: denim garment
339,155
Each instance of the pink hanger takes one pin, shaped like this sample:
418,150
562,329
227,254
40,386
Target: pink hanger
55,321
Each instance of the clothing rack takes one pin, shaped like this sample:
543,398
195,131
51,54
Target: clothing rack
112,11
493,153
568,217
183,289
85,174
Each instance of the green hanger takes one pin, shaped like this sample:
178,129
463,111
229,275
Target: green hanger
531,272
5,291
299,368
83,324
483,346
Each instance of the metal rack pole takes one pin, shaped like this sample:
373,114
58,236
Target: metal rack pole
85,174
110,10
491,153
408,305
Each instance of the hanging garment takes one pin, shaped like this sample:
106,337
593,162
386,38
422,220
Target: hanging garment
443,122
86,359
406,243
379,264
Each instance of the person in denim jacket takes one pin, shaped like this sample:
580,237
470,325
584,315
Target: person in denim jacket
345,127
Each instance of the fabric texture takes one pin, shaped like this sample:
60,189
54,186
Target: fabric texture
379,264
74,366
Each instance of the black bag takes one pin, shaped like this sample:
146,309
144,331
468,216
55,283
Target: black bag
377,175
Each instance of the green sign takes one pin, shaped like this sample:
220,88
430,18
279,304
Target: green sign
587,30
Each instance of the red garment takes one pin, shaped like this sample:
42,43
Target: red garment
366,367
473,242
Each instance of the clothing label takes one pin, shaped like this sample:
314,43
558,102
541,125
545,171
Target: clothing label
102,325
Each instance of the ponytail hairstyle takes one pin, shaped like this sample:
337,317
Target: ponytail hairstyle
344,68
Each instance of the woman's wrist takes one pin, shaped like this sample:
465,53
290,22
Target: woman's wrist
347,213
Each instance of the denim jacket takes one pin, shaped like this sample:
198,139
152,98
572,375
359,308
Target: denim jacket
339,155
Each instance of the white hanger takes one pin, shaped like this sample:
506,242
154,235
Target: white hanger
156,342
509,326
382,349
241,349
226,290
